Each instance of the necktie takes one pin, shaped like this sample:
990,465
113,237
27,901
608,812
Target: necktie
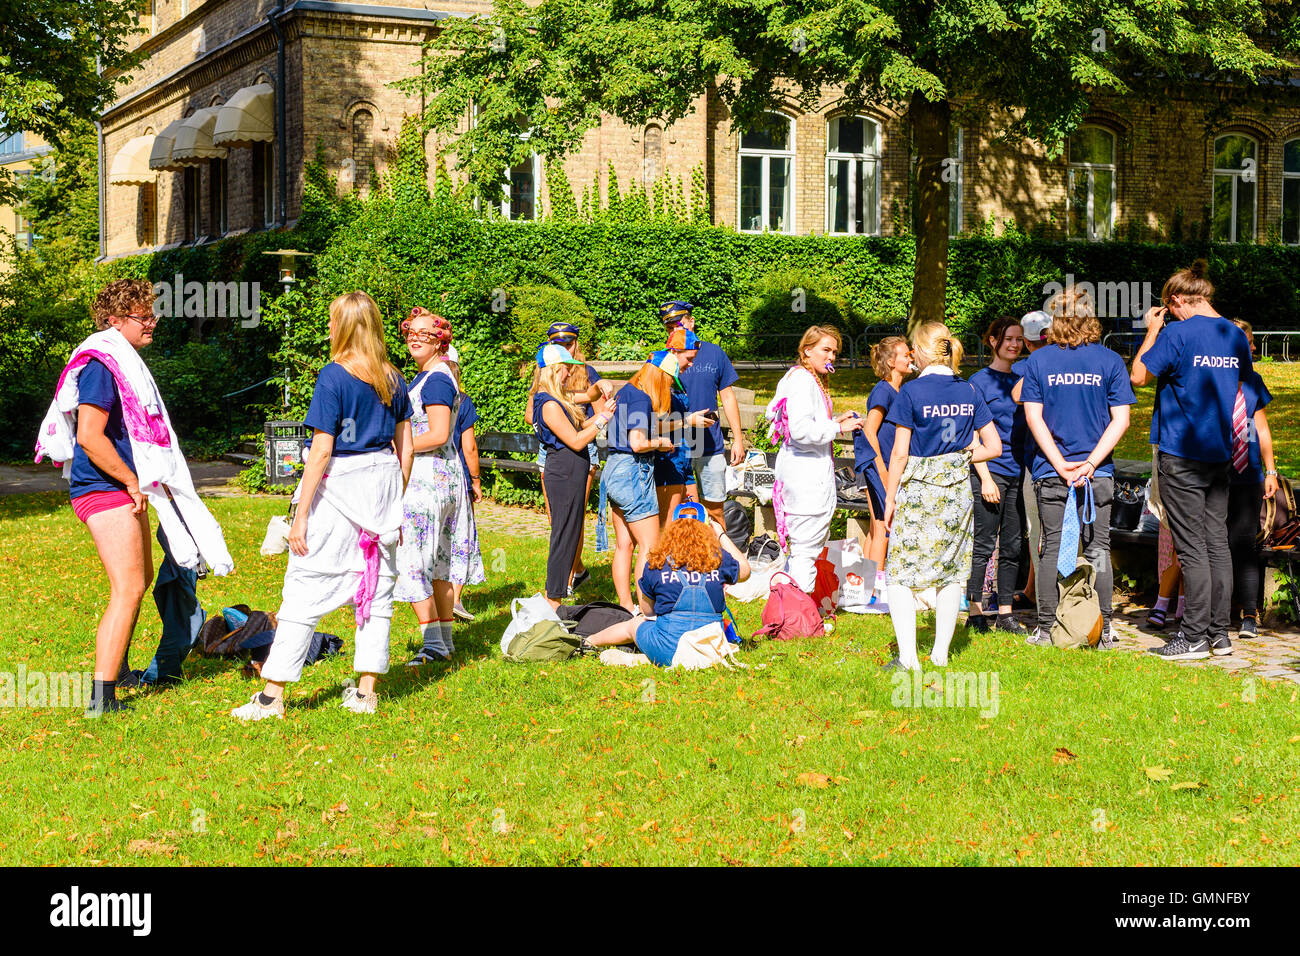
1068,557
1240,431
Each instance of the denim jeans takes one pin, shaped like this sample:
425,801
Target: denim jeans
1195,498
1094,540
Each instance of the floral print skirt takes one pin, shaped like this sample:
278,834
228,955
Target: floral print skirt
932,535
439,536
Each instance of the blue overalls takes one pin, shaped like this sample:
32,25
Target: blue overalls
693,608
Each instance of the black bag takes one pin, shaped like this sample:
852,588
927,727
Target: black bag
1126,507
763,548
739,527
586,619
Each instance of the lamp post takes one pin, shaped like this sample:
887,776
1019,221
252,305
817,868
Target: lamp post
288,269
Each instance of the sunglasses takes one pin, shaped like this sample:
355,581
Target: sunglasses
421,336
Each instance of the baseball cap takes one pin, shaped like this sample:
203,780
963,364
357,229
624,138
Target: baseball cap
667,361
674,311
552,354
691,509
682,340
1035,325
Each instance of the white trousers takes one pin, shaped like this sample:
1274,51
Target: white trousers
806,535
310,595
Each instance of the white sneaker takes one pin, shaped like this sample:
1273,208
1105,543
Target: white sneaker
255,710
353,701
460,612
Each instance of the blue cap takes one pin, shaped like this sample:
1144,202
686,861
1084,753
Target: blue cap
561,328
691,509
674,311
682,340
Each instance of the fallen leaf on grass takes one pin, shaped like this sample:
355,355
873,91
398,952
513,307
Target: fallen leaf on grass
1158,772
150,846
1187,785
334,812
817,780
1062,755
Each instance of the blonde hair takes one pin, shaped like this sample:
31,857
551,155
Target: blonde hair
357,343
810,338
933,342
1191,283
1074,320
548,380
882,353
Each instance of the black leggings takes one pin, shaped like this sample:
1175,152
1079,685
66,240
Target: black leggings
1004,524
1244,502
565,474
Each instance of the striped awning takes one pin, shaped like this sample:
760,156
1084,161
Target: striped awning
248,117
193,142
131,164
160,156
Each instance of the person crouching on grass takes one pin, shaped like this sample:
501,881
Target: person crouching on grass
437,548
343,540
941,427
682,585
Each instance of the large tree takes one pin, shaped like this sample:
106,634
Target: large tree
551,68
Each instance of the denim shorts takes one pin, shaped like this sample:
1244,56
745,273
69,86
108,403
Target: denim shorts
711,477
629,483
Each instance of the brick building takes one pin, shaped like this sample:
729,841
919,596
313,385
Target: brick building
210,135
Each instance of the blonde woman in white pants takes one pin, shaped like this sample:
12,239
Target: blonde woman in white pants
803,419
343,541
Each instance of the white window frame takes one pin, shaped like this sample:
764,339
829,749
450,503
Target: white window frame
1236,181
1287,177
537,189
956,188
852,158
1088,169
765,185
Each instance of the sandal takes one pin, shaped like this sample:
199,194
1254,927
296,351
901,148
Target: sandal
1157,617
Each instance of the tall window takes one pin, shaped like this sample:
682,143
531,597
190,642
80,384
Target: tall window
1091,213
12,143
520,201
853,176
1235,186
767,177
652,154
217,196
146,234
957,176
363,147
190,202
1291,192
263,191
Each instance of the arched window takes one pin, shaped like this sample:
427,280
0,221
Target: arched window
1291,192
853,176
363,148
1236,173
1091,187
652,154
766,177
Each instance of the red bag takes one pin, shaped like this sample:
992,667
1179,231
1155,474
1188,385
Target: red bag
789,612
826,588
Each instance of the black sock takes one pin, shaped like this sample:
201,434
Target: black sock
264,700
104,690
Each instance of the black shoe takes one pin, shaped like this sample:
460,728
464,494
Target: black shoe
1248,629
1221,646
130,680
580,579
1010,625
1023,602
1181,649
976,624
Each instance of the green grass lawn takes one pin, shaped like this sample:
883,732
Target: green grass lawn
850,388
1089,758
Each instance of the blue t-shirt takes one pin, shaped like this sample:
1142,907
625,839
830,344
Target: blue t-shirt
1077,388
1199,362
1008,417
633,411
942,410
544,434
466,418
592,378
1257,396
96,386
664,585
709,374
1026,448
882,396
350,410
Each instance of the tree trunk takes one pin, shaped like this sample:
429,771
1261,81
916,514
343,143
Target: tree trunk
929,281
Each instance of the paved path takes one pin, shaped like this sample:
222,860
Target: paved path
210,478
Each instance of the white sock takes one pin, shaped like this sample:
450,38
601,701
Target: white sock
446,637
902,612
947,602
431,639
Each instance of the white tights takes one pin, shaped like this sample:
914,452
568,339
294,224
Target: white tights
902,612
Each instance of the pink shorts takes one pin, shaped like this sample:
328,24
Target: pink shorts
93,502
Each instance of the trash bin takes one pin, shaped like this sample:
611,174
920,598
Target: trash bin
284,451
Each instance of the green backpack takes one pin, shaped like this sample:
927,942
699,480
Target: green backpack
544,641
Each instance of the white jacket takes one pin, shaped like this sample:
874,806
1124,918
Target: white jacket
805,465
159,465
